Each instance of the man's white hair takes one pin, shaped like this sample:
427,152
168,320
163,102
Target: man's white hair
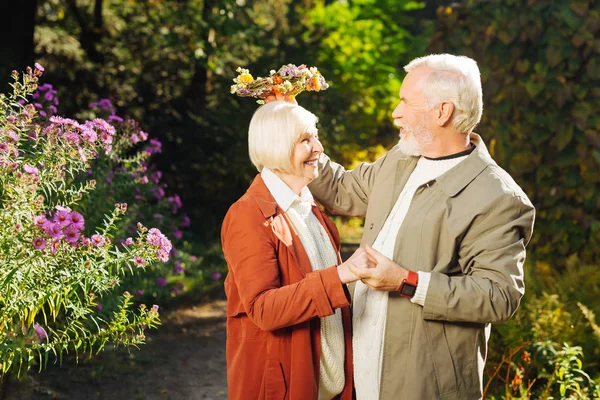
455,79
274,130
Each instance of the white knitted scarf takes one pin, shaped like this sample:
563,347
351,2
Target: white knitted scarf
322,254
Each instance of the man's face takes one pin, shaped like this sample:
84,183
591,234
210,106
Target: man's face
411,114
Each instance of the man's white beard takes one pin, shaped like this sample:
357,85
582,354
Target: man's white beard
413,146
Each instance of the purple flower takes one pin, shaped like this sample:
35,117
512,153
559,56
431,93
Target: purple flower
128,241
97,240
139,261
54,246
216,276
39,220
161,282
77,220
163,256
99,307
88,134
115,117
177,234
178,268
53,230
159,193
176,201
4,147
194,258
39,243
62,217
185,222
38,67
72,234
86,241
30,169
73,137
41,332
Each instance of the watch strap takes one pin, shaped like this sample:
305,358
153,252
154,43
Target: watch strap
411,280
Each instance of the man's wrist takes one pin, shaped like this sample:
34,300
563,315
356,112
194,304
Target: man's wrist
409,284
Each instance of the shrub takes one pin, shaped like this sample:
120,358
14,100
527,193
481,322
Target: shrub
56,259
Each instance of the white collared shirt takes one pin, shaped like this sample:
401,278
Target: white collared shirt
281,192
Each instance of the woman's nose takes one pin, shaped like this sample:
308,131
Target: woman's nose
318,147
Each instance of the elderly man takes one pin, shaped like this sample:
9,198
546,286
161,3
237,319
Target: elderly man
448,228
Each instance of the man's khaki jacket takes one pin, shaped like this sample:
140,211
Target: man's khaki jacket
469,228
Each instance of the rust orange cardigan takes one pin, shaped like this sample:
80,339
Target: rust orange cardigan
274,302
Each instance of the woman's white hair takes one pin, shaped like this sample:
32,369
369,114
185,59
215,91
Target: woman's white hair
274,130
455,79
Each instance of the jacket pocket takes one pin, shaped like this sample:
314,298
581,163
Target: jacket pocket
443,363
274,386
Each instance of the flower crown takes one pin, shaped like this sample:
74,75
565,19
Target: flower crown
289,80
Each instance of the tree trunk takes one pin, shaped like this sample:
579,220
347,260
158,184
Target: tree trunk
17,19
90,33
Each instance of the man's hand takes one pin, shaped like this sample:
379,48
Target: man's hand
359,260
386,276
279,96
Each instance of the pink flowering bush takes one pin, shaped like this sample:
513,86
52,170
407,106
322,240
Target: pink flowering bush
127,174
59,251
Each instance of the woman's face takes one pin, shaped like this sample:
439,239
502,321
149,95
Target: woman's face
305,157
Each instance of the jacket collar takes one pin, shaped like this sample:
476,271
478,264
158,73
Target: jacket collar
265,200
281,192
259,192
455,180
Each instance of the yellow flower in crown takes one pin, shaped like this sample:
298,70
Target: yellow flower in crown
245,78
313,84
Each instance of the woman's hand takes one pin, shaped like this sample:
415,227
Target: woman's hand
279,96
359,260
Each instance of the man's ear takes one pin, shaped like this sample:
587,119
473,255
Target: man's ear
445,112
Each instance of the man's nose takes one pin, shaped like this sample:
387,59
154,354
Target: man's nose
397,113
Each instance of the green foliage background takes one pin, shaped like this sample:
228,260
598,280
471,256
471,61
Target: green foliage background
540,63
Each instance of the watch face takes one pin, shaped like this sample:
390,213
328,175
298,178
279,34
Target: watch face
408,290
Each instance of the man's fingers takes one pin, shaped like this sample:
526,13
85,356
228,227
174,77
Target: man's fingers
362,273
375,254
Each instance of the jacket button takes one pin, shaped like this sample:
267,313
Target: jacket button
371,226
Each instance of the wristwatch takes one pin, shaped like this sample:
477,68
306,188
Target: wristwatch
409,285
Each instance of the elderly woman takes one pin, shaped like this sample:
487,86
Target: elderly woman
288,320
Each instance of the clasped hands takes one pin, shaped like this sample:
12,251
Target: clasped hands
373,268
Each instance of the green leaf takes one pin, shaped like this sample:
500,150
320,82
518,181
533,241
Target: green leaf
534,88
563,137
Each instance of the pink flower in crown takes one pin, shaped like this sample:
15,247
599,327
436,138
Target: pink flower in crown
280,228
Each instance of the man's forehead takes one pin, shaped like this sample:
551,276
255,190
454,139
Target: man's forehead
413,78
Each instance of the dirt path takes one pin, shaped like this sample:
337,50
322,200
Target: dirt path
184,359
